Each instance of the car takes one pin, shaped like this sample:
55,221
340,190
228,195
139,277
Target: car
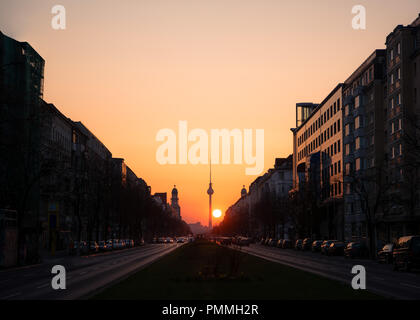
103,246
83,247
115,244
93,247
385,254
306,244
161,240
298,244
406,254
272,242
180,240
336,249
356,249
266,241
316,245
287,244
325,245
279,243
262,241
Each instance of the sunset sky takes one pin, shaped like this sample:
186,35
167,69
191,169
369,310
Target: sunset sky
129,68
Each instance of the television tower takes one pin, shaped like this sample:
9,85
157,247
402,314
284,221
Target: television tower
210,192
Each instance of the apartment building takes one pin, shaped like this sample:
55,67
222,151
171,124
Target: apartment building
318,158
402,216
364,95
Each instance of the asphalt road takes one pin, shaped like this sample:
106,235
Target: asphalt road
380,278
84,275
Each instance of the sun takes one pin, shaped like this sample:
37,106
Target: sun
217,213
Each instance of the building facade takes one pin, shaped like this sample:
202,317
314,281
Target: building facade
318,160
364,156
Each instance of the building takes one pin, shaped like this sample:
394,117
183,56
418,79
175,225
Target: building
318,160
266,197
364,129
176,209
402,216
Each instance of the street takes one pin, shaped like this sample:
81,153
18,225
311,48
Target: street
84,275
380,278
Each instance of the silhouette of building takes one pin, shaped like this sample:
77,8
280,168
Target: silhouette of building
176,210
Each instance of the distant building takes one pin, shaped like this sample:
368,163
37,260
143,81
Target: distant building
176,210
198,228
275,185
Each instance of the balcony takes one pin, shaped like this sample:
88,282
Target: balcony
359,132
348,139
359,153
348,100
348,119
349,158
359,111
394,112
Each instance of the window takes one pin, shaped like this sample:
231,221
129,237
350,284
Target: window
339,145
339,166
358,122
347,110
392,78
392,127
391,55
357,102
391,103
399,48
359,164
347,130
359,143
399,74
338,125
347,149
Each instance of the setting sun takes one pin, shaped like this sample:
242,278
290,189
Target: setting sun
217,213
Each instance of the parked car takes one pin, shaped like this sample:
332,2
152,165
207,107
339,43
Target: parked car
336,249
307,244
385,254
316,245
287,244
272,242
325,246
266,241
84,248
279,243
93,247
356,249
103,246
298,244
406,254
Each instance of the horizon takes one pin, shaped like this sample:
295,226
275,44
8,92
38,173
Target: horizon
140,58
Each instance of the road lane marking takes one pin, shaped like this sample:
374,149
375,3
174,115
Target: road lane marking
10,296
409,285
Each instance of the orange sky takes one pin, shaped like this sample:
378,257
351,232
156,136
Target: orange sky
132,67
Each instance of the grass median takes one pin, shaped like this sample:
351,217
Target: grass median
204,270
